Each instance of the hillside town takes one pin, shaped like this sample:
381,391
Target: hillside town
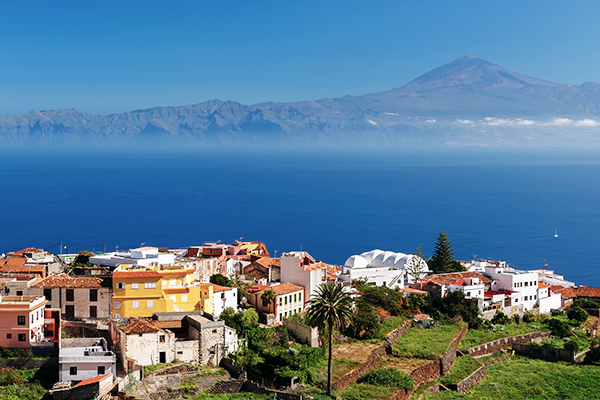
106,318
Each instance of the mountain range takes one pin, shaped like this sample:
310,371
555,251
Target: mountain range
467,102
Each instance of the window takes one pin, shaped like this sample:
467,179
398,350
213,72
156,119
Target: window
300,296
21,320
150,303
280,301
174,298
9,335
172,282
93,312
135,285
526,283
135,304
286,299
120,285
116,316
117,304
93,294
280,317
184,298
149,285
69,295
22,337
101,370
161,338
294,298
48,294
181,282
73,371
19,293
535,296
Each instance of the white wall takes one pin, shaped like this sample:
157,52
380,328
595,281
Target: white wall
231,300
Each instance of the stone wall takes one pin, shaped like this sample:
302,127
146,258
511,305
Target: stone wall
353,375
22,363
426,373
469,382
303,333
77,329
594,312
504,343
396,333
447,360
544,353
236,371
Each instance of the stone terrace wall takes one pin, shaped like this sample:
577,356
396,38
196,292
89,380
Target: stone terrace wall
373,359
303,333
227,387
23,363
469,382
544,353
504,343
447,360
353,375
254,388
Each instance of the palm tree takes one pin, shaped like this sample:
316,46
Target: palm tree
268,297
330,307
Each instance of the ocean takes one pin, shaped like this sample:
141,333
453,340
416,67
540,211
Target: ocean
493,204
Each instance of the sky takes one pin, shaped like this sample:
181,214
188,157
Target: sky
114,56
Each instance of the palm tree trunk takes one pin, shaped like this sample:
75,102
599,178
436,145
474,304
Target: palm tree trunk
330,363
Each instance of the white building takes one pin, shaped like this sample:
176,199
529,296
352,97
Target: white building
384,268
85,358
299,268
522,285
143,256
224,297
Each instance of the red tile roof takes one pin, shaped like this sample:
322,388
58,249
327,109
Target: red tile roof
67,281
218,288
17,264
567,292
542,285
176,290
412,290
91,380
22,252
588,291
136,274
137,325
281,289
464,275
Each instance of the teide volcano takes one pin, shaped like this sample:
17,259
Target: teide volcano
467,102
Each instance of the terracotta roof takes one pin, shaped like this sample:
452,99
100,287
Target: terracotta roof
176,290
556,288
218,288
464,275
137,325
177,272
136,274
167,324
91,380
542,285
17,264
67,281
22,252
281,289
567,292
588,291
442,280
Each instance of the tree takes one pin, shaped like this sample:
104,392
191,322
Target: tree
268,297
577,314
330,307
443,260
218,279
416,267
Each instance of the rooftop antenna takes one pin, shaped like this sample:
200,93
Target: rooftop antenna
276,253
545,264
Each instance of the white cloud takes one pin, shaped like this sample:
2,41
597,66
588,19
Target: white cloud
587,123
465,121
390,113
372,122
561,121
430,120
525,122
497,121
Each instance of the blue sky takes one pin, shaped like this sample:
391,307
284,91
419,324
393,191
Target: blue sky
106,57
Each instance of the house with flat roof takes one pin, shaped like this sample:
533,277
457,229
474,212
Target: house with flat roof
85,358
300,268
22,320
224,297
141,291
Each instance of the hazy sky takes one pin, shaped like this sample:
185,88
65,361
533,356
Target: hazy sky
116,56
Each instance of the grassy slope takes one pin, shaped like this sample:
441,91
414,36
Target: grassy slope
426,343
475,337
522,378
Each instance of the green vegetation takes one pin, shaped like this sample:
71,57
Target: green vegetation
475,337
388,377
29,384
241,321
522,378
577,314
188,386
360,391
426,344
218,279
462,368
443,260
593,356
388,325
585,303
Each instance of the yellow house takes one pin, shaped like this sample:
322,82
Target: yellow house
140,291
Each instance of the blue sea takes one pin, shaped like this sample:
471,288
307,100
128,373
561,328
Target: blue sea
494,204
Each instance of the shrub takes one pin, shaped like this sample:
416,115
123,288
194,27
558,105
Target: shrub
593,356
23,353
559,328
6,353
577,314
500,318
528,317
388,377
585,303
9,376
517,319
